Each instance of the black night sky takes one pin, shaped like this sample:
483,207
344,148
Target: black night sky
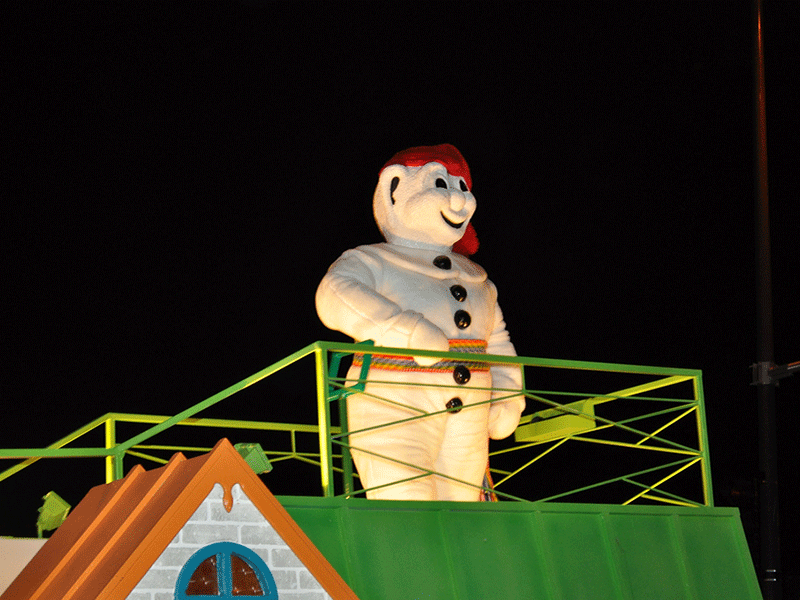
181,176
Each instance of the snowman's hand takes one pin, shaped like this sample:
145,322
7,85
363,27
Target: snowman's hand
504,416
427,336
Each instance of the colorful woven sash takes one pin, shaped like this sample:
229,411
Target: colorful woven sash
386,362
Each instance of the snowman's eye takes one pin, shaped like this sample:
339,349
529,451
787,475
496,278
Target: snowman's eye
441,183
463,185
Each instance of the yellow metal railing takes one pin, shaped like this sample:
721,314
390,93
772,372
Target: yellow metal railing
564,437
114,452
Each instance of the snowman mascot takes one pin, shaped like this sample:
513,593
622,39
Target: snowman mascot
421,428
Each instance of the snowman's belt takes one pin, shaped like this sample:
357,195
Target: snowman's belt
388,362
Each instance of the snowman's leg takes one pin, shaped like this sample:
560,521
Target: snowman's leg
396,458
401,482
463,455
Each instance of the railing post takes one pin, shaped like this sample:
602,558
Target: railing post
702,440
347,457
113,461
324,420
341,398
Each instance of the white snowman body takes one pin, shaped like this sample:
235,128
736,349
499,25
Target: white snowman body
414,292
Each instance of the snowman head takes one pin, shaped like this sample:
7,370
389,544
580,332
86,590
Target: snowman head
423,197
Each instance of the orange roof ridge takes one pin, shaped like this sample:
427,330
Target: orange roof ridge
85,534
141,504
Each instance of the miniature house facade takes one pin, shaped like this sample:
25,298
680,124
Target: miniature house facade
200,528
226,554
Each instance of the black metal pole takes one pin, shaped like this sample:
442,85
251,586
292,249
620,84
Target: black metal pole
770,572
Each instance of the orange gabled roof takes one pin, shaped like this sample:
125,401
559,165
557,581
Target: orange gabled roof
118,530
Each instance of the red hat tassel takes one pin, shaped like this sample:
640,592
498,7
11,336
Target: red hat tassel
468,244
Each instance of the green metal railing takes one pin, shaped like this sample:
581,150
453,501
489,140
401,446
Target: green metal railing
558,424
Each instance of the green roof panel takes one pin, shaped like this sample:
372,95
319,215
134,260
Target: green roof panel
391,550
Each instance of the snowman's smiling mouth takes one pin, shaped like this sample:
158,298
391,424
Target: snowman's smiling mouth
451,223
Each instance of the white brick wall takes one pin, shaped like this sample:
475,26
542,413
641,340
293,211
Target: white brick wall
244,525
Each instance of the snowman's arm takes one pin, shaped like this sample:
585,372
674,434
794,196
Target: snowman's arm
348,301
504,415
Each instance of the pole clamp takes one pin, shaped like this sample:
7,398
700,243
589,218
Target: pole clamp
768,373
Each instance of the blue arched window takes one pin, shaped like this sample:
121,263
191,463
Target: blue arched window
225,570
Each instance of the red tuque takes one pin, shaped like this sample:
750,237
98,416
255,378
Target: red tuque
446,154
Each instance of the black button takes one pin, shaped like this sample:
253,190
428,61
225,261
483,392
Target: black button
442,262
454,405
459,293
461,374
462,319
